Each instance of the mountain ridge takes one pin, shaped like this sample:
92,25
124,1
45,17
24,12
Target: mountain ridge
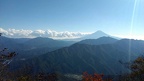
98,41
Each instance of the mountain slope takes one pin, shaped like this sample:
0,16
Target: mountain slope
79,58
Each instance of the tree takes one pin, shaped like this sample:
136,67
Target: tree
137,69
0,34
5,60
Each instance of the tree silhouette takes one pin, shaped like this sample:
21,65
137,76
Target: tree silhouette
5,59
137,69
0,34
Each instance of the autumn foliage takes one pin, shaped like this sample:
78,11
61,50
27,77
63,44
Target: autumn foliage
94,77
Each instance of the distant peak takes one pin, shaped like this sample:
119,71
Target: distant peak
99,31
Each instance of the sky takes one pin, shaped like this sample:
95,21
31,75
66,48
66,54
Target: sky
71,18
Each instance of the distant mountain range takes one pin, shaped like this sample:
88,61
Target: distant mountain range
98,52
47,42
29,44
27,48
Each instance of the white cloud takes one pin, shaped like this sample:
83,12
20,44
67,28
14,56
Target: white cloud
18,33
41,33
3,31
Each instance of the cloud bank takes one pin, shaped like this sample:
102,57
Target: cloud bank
13,33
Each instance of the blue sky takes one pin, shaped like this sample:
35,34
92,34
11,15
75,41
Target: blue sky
111,16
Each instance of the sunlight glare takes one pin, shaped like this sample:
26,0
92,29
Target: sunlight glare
131,28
